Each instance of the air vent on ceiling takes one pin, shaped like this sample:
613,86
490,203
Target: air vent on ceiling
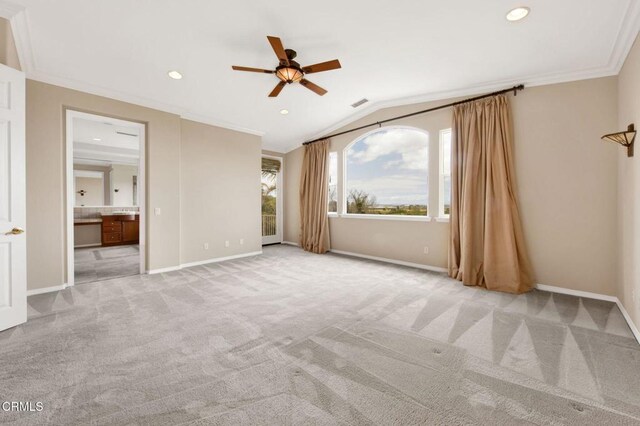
127,134
360,102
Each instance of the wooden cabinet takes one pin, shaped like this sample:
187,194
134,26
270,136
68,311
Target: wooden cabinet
120,229
131,231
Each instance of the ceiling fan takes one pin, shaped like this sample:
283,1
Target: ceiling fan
289,71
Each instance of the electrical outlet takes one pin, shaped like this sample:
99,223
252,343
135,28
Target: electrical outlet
241,241
426,250
206,246
226,243
157,211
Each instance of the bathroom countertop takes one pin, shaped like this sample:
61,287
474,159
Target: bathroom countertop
86,221
120,214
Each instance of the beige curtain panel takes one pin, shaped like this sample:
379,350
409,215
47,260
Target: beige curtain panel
314,194
486,241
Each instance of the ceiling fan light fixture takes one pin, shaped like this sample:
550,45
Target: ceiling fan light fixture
289,74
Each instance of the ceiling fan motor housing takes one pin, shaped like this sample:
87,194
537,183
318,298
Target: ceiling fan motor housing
291,54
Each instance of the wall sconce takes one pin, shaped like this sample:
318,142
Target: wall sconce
623,138
82,192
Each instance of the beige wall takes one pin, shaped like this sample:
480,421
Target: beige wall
219,192
8,52
121,178
46,252
566,187
567,182
629,187
94,191
104,169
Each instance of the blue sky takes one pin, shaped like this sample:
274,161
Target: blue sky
390,164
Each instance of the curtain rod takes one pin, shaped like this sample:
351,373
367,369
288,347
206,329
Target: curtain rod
513,89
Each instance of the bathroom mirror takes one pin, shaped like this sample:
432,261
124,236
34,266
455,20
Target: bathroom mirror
105,164
112,185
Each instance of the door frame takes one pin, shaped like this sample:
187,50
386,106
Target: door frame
70,114
278,238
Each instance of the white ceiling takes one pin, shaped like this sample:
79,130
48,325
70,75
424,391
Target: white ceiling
392,52
100,141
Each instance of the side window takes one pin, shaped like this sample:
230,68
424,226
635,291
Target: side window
333,182
445,173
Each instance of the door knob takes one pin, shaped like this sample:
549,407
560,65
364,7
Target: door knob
15,231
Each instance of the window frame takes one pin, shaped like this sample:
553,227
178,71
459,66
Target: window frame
343,193
442,216
330,213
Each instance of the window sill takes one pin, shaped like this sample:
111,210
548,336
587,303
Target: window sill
407,218
444,219
332,214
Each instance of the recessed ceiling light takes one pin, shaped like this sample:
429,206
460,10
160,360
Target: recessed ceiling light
97,139
284,111
517,14
175,75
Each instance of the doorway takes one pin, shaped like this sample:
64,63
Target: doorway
105,197
271,183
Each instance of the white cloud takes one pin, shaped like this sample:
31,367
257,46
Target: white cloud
395,189
411,145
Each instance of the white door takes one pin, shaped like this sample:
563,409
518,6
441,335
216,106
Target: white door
13,243
271,200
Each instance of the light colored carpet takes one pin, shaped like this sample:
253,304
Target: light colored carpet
295,338
103,263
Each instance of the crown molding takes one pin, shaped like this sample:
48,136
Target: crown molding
136,100
220,123
629,28
530,81
625,39
8,10
626,36
18,17
22,38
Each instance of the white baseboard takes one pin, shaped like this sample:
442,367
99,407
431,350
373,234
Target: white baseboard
220,259
46,289
597,296
394,261
578,293
202,262
291,243
87,245
632,326
163,270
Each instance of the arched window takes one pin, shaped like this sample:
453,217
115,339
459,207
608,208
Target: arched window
387,173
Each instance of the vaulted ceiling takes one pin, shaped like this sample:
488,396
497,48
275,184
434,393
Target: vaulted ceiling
391,53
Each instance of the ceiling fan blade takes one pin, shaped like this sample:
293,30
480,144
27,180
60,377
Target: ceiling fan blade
313,87
277,46
322,66
276,90
237,68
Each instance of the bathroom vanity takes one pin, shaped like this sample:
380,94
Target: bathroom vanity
119,229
